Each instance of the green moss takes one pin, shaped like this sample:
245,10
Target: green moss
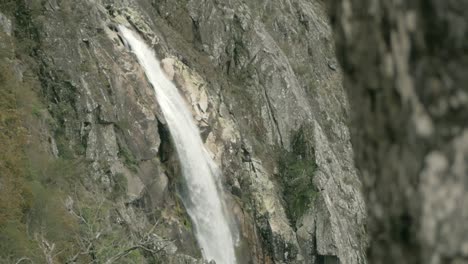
297,170
135,257
182,214
120,186
36,111
26,32
297,174
63,147
128,158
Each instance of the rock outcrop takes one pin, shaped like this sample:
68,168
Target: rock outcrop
404,64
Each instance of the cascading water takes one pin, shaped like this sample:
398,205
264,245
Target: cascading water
203,200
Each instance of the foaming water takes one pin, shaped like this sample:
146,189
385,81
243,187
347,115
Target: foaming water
203,200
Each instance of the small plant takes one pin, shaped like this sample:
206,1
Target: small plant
297,174
129,159
297,170
120,186
36,111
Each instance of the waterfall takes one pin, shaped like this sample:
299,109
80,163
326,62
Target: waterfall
203,200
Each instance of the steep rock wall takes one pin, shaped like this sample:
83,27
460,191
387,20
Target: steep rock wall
404,65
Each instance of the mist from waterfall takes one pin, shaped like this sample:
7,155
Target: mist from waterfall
203,200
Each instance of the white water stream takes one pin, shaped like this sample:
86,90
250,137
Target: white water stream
203,201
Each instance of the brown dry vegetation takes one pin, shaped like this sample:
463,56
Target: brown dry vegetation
35,224
16,196
31,203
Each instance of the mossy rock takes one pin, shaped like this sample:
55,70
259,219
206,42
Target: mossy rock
297,170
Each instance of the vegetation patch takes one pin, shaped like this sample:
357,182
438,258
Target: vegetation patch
120,186
50,212
297,170
16,196
129,160
35,223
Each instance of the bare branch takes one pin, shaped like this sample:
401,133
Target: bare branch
121,254
47,248
144,244
23,259
129,250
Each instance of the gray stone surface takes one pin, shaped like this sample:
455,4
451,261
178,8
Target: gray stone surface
404,64
5,22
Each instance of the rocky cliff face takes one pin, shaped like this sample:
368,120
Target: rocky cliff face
404,65
265,90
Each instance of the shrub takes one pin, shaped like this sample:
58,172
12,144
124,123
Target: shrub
297,170
297,174
129,160
31,186
16,196
120,186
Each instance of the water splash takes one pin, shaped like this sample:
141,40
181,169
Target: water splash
203,201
